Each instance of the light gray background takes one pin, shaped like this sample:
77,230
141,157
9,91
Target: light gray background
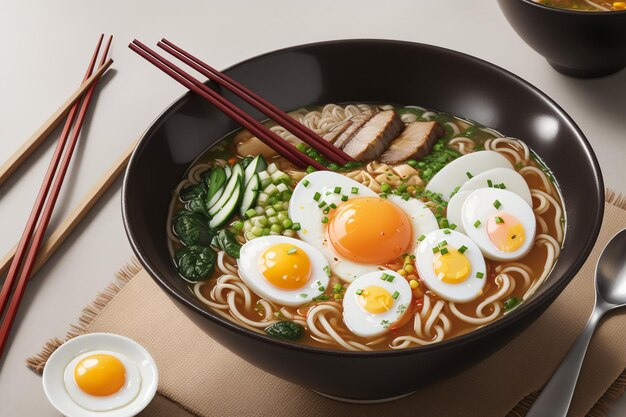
45,48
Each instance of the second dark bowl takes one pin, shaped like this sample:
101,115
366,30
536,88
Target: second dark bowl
365,71
578,44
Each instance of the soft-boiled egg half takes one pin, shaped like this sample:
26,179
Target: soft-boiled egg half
459,171
284,270
102,380
355,229
501,223
375,301
451,265
100,375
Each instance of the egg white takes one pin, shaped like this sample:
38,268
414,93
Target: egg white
479,206
455,173
365,324
454,209
123,397
465,291
304,209
511,179
254,279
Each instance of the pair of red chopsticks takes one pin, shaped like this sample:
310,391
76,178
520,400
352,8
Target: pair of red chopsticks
270,138
26,253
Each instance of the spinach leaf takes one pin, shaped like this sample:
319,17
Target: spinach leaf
217,178
226,241
196,263
198,205
193,191
205,177
285,330
192,228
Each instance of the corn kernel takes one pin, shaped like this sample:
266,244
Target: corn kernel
402,272
409,268
414,284
619,5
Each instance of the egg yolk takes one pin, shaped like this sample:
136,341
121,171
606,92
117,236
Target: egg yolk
369,230
505,231
376,300
100,375
452,267
285,266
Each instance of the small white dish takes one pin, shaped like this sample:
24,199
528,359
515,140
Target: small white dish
53,374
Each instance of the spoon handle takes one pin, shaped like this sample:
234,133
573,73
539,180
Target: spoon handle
556,396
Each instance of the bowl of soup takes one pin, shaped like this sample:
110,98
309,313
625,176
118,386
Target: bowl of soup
457,223
579,38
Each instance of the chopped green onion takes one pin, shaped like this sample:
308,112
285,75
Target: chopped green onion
333,205
480,275
385,187
497,204
511,303
354,190
327,270
322,297
325,219
337,288
337,190
446,231
453,226
421,238
395,295
321,288
502,186
317,196
321,204
359,292
462,249
499,219
489,183
344,198
435,249
305,182
310,170
477,224
406,196
444,251
469,175
295,226
326,210
442,243
383,195
304,295
250,213
292,251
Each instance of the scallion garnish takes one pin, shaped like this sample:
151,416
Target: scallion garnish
317,196
469,175
305,182
462,249
333,205
442,243
497,204
395,295
344,198
321,204
453,226
354,190
489,183
502,186
477,224
444,251
325,219
327,270
499,219
359,292
337,288
421,238
406,196
326,210
321,288
435,249
304,295
337,190
480,275
446,231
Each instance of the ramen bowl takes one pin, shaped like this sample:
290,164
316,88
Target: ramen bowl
436,78
576,43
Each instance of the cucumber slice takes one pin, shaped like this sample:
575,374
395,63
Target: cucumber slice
257,165
224,213
228,170
233,184
250,194
217,178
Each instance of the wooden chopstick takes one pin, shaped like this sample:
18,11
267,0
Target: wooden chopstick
49,194
48,126
270,138
307,135
73,219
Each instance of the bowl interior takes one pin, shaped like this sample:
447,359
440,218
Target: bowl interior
365,71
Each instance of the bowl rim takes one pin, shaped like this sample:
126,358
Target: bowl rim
574,12
507,320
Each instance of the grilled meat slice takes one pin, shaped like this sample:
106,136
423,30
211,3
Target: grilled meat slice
417,140
374,137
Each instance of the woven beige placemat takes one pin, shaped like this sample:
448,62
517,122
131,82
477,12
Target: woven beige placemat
199,377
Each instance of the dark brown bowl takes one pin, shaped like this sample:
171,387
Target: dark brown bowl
578,44
365,71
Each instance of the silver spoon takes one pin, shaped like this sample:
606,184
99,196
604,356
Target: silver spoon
556,396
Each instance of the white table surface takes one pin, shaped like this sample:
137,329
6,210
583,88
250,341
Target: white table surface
45,47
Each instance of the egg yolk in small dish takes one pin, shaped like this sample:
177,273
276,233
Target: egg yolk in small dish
369,230
285,266
100,375
505,231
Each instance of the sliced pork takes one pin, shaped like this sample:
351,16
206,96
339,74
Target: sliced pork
374,137
356,123
417,140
